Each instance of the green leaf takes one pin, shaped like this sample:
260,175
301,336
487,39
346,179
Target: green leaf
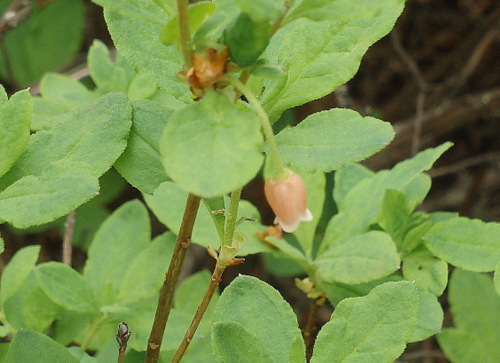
136,38
105,122
33,347
394,215
119,240
374,328
211,147
361,206
144,276
362,258
426,270
204,232
65,287
15,119
321,56
430,316
247,39
62,164
64,91
17,270
140,163
143,11
467,243
347,178
198,14
38,310
476,313
262,10
49,38
246,306
233,343
107,75
329,140
34,200
496,278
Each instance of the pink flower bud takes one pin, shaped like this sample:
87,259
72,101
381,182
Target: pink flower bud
288,201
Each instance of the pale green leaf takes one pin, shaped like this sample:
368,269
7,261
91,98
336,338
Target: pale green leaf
17,270
430,316
64,91
142,11
137,39
361,206
33,347
320,56
212,147
38,310
429,272
119,240
394,215
15,119
140,163
50,37
107,75
332,139
467,243
65,287
145,274
248,305
362,258
374,328
496,278
475,306
347,178
104,122
231,342
34,200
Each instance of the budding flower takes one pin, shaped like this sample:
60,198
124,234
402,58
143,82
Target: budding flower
288,200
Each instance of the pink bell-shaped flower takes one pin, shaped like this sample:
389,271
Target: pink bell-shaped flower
288,200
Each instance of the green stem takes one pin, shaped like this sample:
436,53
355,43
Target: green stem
185,35
279,172
93,331
172,276
188,337
231,215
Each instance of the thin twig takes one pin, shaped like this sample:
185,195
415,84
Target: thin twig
188,337
419,116
67,245
171,278
309,331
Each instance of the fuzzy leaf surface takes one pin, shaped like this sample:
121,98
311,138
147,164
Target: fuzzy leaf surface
15,119
475,306
211,148
374,328
320,56
360,259
246,306
330,140
467,243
